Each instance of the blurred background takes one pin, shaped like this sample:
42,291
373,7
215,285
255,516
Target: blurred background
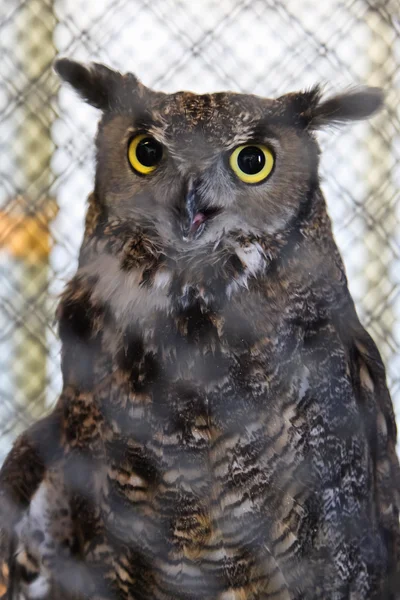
262,46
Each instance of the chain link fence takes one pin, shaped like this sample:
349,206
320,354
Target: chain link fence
263,46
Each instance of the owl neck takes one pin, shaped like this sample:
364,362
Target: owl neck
127,273
134,268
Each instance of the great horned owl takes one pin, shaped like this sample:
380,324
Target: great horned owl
224,430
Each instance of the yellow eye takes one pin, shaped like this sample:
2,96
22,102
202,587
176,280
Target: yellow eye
144,153
252,163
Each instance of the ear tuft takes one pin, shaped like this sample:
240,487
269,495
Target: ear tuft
308,110
355,105
95,83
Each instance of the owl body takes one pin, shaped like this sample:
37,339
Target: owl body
224,429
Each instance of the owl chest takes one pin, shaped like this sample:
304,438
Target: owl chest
196,445
200,482
195,502
195,400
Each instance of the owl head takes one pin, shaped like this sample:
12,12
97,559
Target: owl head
198,168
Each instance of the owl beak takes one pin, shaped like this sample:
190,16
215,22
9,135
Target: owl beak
195,217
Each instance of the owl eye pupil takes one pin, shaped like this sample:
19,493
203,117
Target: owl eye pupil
149,152
251,160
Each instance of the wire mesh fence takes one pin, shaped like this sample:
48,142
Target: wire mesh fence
262,46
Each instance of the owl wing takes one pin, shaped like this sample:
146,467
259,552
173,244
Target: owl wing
20,476
369,383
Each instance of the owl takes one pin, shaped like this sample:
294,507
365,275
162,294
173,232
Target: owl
224,430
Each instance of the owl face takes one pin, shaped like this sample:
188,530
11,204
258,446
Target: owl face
198,168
